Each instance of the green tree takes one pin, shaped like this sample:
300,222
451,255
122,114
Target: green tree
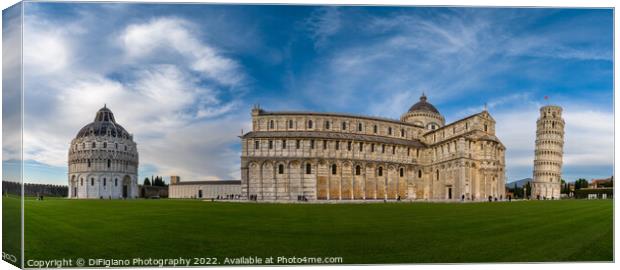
159,181
528,186
581,183
147,182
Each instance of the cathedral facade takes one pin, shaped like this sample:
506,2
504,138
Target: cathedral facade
332,156
103,161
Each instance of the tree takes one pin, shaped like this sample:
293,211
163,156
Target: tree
581,183
159,181
147,182
528,186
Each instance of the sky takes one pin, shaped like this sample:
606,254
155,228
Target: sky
183,78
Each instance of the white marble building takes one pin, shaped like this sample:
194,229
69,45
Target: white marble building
103,160
292,155
203,189
548,154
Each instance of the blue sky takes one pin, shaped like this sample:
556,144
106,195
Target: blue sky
183,78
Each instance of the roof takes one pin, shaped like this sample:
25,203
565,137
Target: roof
332,135
376,118
104,122
423,105
209,182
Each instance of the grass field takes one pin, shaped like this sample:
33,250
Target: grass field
11,228
535,231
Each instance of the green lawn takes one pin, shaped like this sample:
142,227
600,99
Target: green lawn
11,229
535,231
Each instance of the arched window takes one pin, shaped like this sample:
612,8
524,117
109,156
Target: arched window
419,173
358,170
374,129
372,148
125,147
344,125
383,148
486,128
94,145
109,163
290,123
283,144
271,124
361,146
359,127
402,172
270,144
349,146
81,181
334,169
308,168
389,130
116,182
92,181
105,145
380,171
437,173
116,145
256,144
402,132
88,163
104,182
309,123
327,126
280,169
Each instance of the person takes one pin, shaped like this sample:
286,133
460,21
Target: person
463,197
398,199
490,198
509,198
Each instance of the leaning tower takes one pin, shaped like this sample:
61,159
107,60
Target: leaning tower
548,153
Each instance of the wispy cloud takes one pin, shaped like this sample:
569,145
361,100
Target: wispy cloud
322,24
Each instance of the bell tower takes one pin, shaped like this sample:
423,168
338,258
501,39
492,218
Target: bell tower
548,154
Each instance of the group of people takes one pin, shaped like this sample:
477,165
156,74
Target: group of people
228,197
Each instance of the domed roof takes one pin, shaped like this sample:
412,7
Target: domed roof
103,125
422,105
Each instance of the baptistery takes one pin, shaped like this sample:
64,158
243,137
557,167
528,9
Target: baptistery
103,160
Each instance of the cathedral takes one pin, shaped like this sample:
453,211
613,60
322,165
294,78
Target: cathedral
314,156
103,161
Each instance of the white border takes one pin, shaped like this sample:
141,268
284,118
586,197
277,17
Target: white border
510,3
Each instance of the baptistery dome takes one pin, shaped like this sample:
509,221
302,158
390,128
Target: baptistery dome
103,160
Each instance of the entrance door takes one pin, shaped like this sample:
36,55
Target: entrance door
74,192
200,193
450,193
124,191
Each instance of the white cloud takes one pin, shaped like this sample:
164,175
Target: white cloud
162,35
167,88
588,140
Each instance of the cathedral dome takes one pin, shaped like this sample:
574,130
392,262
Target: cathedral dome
103,125
423,105
424,114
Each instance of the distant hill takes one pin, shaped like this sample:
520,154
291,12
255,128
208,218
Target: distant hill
520,183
